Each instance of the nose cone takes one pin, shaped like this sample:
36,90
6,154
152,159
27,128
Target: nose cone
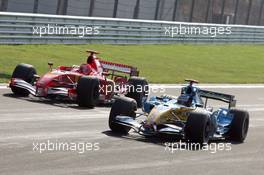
163,114
46,79
157,115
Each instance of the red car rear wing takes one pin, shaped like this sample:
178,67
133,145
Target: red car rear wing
116,67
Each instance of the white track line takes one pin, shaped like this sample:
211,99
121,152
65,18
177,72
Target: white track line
210,86
178,86
54,118
3,87
95,134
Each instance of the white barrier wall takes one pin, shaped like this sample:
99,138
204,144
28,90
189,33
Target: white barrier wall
22,28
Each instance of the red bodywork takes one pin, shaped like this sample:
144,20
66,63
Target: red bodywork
63,80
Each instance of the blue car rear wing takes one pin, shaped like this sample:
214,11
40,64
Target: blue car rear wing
230,99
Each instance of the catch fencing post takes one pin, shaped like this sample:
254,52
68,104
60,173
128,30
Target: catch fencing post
236,9
248,12
191,12
260,12
175,10
223,11
4,5
157,9
207,11
136,10
115,9
62,7
35,8
91,8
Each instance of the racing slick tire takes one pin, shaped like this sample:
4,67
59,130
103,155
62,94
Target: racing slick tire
122,106
88,91
197,128
138,90
25,72
239,125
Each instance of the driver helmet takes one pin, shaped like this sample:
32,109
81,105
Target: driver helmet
185,100
85,69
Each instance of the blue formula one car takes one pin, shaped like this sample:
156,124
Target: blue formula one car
186,116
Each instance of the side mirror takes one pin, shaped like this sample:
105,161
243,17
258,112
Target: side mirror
232,104
35,78
50,65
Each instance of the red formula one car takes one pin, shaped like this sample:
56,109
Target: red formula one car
97,81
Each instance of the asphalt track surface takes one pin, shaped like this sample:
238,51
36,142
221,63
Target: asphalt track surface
28,121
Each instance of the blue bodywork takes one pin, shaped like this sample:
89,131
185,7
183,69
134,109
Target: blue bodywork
191,96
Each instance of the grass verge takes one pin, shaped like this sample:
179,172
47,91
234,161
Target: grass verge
158,63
